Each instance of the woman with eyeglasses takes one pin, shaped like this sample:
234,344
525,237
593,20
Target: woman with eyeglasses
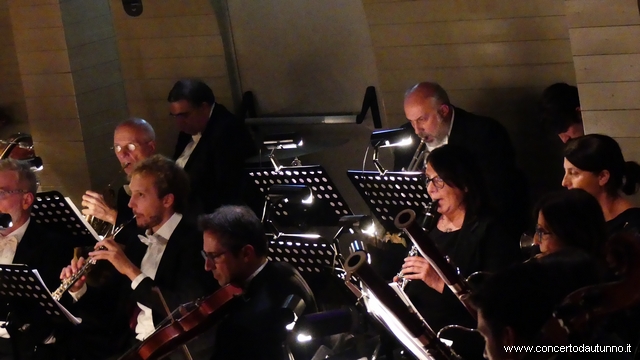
570,219
467,232
595,163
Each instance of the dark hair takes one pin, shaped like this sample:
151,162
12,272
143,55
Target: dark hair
595,153
169,178
458,168
524,296
236,226
558,107
194,91
575,218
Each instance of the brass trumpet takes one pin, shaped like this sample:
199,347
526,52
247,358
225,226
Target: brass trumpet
418,157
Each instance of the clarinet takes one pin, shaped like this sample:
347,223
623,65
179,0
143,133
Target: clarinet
427,223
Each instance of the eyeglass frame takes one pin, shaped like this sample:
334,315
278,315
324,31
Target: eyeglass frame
435,180
128,146
5,193
540,232
210,257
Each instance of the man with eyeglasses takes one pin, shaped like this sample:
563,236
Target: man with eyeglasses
167,257
27,242
133,140
235,250
212,146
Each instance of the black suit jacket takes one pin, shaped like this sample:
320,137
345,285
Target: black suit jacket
181,276
216,165
489,141
48,253
252,331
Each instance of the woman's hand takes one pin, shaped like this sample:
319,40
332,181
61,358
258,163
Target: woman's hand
418,268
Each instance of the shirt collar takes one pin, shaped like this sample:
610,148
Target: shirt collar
19,232
168,227
453,116
255,273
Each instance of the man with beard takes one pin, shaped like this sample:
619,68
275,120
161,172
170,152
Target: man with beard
167,257
436,121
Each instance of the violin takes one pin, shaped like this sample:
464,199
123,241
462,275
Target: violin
184,324
20,147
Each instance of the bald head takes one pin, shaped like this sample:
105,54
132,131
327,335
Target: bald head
133,140
428,91
141,127
427,107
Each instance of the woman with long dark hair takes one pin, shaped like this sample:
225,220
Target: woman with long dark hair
595,164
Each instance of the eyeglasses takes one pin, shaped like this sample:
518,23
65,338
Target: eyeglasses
211,256
5,193
182,115
129,147
540,232
436,180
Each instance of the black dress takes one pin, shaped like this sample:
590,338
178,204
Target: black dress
628,220
480,245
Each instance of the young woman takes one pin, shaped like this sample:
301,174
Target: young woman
595,163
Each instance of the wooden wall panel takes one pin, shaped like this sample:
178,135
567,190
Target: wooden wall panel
493,57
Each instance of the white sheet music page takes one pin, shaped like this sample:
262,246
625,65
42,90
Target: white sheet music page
74,320
91,230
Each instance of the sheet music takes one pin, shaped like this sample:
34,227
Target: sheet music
74,320
80,216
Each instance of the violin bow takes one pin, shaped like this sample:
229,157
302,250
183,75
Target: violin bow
185,350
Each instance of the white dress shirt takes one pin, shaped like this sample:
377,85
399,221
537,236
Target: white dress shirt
188,150
8,246
156,243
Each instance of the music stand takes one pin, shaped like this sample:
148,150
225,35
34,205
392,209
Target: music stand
57,213
387,195
328,205
309,254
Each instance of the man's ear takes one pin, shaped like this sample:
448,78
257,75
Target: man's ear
444,110
248,251
27,200
168,200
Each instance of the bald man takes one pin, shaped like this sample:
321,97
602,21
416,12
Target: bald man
434,119
133,140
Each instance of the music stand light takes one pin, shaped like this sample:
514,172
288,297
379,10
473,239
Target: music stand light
281,141
388,138
284,193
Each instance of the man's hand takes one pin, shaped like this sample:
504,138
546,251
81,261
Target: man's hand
71,270
418,268
115,255
96,206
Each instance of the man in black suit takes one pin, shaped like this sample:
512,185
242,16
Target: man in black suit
212,146
167,258
435,120
235,249
27,242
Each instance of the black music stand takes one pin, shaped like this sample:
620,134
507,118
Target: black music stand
308,255
328,205
57,213
388,194
28,298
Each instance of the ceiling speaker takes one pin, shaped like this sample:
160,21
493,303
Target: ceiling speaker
132,7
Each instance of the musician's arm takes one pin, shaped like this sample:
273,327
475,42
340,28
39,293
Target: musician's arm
190,282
